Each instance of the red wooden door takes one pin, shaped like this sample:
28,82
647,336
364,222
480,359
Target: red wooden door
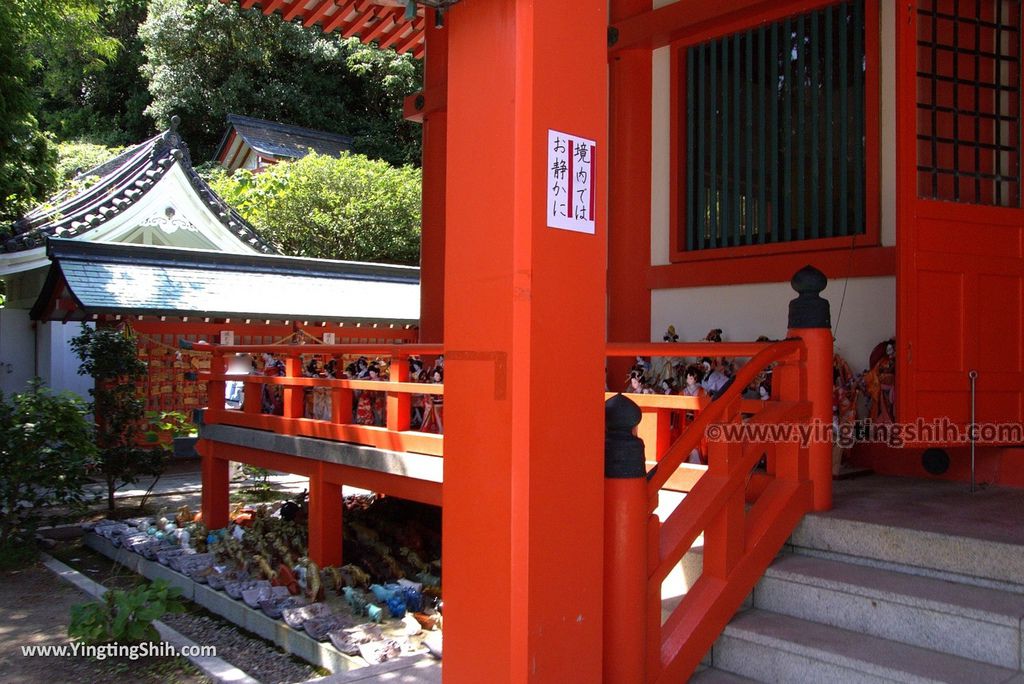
960,279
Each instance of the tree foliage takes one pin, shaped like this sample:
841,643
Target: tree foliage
46,447
205,59
99,100
37,34
349,208
110,356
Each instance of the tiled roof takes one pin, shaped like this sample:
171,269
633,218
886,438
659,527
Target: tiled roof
133,279
283,140
123,181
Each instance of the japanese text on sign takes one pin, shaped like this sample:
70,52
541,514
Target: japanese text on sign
570,200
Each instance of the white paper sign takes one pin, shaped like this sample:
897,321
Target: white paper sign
571,182
227,337
329,338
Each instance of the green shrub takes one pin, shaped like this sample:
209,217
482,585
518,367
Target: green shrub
46,449
124,616
350,208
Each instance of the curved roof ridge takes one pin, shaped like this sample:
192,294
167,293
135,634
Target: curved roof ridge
122,185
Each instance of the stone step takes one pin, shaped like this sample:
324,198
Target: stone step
709,675
981,562
969,621
769,647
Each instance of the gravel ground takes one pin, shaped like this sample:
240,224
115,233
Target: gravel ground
34,610
260,659
251,654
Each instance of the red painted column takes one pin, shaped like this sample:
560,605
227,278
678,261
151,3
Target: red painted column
214,499
325,512
435,144
524,313
629,195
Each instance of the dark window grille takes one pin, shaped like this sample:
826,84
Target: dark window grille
968,101
775,132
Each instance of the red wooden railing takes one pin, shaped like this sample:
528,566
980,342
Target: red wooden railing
395,435
745,512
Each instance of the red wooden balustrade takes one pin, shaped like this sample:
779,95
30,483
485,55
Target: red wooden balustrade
745,513
395,435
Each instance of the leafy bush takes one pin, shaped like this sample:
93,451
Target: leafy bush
46,448
350,208
73,157
124,616
110,356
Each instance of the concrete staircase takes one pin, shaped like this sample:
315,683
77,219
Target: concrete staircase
856,601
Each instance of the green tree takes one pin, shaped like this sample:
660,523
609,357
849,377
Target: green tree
110,357
34,34
324,207
205,59
46,447
76,156
101,101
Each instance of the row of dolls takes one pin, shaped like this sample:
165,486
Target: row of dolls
705,377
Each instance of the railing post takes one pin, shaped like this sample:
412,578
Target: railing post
625,545
810,320
294,396
216,389
399,404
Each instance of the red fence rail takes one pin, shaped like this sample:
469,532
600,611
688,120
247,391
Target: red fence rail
395,435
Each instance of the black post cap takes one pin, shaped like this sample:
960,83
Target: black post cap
623,451
809,309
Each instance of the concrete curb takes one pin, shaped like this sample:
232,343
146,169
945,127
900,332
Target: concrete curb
216,668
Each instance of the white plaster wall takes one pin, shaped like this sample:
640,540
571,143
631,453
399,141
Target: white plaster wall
58,365
860,320
17,356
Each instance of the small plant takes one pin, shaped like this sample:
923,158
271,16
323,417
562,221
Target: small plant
124,616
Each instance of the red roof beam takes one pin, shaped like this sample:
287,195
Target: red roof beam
318,14
359,23
298,6
401,30
272,6
410,42
387,20
340,16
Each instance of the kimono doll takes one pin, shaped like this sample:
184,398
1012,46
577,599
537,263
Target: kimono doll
880,383
433,406
273,397
416,374
694,388
366,408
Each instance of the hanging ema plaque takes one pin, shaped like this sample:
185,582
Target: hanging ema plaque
571,186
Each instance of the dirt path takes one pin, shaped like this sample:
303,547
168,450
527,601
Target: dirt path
35,607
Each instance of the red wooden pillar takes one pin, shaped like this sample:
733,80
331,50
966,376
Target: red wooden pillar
629,195
430,108
214,499
325,511
524,310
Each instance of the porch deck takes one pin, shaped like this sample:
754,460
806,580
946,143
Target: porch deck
990,513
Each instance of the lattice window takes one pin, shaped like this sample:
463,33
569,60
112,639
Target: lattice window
775,132
968,101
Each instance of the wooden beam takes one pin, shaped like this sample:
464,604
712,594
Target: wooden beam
396,34
415,37
318,13
338,17
298,6
272,6
359,23
386,20
659,27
